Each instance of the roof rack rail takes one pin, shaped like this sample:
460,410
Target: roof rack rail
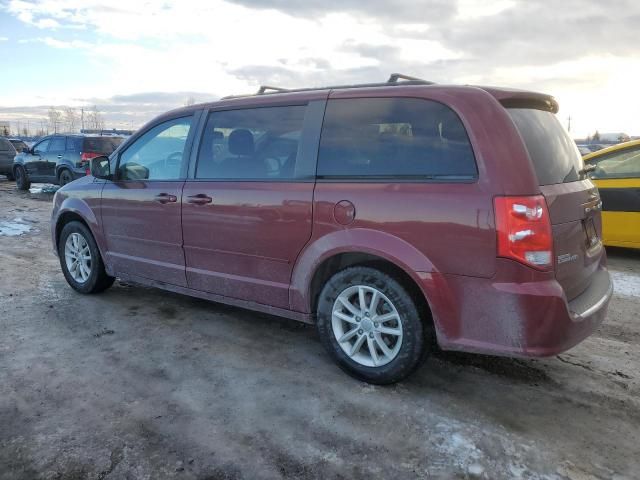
393,81
265,88
400,76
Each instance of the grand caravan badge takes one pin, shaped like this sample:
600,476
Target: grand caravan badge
567,257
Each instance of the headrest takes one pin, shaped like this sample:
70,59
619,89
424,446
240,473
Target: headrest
241,142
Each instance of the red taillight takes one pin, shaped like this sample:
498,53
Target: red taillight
86,156
524,230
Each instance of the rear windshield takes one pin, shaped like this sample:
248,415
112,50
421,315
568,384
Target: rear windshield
101,144
554,154
18,145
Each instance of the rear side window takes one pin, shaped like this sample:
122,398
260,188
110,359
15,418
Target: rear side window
555,156
4,145
256,143
104,145
394,138
620,164
57,144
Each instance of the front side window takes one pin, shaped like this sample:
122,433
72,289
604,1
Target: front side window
41,147
158,154
621,164
394,138
256,143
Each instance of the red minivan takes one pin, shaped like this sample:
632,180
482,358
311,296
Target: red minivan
389,215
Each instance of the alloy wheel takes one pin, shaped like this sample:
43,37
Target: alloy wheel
367,325
78,257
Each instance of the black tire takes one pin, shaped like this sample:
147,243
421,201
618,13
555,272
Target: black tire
413,346
98,280
65,176
22,180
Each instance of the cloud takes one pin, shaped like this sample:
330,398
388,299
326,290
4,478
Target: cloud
118,110
4,39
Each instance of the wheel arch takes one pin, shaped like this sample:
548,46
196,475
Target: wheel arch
339,250
74,209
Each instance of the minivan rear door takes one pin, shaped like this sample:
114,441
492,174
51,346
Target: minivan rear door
573,200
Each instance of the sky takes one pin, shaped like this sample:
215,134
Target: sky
137,59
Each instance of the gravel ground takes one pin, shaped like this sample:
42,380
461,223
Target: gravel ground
138,383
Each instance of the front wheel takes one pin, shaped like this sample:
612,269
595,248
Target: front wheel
22,180
371,326
80,260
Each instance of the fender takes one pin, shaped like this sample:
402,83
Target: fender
65,201
357,240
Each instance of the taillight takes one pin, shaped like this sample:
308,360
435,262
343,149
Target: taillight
524,230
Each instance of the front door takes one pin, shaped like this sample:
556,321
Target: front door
141,208
35,161
247,212
617,176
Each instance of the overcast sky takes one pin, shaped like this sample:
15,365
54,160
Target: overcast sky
135,59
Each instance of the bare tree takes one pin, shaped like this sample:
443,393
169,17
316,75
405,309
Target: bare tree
55,117
94,119
189,101
71,119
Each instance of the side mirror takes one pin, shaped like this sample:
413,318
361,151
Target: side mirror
100,167
26,150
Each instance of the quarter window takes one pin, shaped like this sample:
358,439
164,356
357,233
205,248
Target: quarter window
158,154
258,143
623,164
394,138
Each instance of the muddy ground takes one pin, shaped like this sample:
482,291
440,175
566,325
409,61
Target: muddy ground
138,383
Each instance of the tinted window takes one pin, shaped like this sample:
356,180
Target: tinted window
621,164
554,154
158,154
104,145
4,145
42,146
258,143
19,145
74,144
394,137
57,144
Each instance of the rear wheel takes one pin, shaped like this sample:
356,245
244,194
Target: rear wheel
370,324
22,180
65,177
80,260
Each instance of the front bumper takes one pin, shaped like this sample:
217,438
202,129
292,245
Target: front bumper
523,319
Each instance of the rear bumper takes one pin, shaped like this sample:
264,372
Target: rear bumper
523,319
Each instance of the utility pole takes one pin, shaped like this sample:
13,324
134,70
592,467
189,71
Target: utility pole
82,119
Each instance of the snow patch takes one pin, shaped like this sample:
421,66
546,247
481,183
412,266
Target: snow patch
13,228
43,188
627,284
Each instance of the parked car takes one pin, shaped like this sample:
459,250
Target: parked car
616,173
584,150
7,153
60,159
391,215
18,144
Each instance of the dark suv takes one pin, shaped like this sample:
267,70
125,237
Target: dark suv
391,215
60,158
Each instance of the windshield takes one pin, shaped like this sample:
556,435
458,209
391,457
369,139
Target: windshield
19,145
554,154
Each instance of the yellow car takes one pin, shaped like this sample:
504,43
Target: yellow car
616,173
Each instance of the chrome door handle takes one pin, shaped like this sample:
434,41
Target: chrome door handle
59,156
166,198
199,199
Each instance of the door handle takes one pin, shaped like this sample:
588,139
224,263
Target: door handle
199,199
59,156
166,198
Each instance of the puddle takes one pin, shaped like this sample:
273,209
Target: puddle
15,227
